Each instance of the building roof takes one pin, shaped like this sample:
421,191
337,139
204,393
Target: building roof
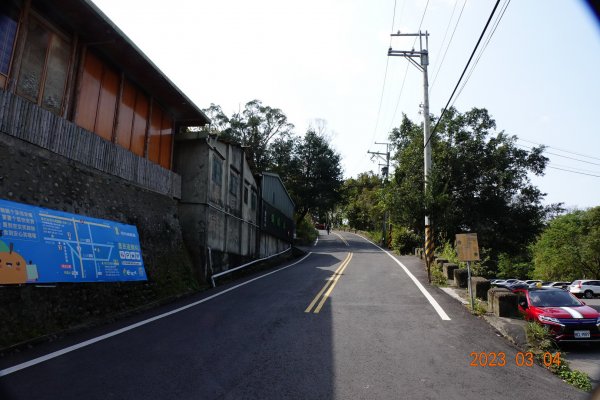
97,31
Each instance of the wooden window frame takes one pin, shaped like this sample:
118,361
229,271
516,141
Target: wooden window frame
54,30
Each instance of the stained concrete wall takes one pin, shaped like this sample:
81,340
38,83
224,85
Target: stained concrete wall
35,176
218,221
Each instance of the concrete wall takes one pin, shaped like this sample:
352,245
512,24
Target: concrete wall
32,175
219,223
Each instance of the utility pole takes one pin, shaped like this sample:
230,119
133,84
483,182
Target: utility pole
424,58
385,171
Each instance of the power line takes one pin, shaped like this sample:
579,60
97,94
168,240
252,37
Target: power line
387,61
463,73
489,38
573,172
556,148
448,46
406,70
560,155
576,169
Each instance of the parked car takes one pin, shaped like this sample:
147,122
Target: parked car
560,285
567,318
532,281
512,284
585,287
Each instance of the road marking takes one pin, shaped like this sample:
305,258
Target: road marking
428,296
343,240
331,281
89,342
334,282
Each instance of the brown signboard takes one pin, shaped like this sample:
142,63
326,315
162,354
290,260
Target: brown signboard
467,247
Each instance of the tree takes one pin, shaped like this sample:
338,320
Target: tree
569,248
254,128
317,179
479,183
363,201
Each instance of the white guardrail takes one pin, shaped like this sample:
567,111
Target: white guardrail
212,278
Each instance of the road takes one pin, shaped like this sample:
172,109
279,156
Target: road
301,332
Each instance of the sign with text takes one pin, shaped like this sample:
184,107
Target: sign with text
467,247
39,245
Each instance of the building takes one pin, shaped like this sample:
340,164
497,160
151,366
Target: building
67,71
277,215
87,126
221,202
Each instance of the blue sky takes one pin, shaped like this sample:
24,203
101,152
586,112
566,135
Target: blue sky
326,59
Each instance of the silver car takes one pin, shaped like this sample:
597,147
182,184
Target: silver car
587,288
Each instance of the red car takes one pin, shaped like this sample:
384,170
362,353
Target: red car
567,318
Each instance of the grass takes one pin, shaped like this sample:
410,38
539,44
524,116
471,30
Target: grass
540,343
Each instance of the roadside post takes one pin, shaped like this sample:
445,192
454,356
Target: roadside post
468,250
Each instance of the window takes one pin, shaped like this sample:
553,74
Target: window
253,200
45,66
234,183
8,33
217,170
245,194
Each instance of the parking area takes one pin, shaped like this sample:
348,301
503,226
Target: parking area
595,302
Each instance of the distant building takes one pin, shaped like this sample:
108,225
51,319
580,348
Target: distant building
277,215
221,203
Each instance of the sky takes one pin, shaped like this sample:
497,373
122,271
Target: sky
539,75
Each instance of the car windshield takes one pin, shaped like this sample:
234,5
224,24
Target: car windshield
553,298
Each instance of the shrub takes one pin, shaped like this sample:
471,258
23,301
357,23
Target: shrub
306,232
404,240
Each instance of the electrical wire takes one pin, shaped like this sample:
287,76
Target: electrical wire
448,46
406,70
556,148
463,73
387,62
489,38
560,155
573,172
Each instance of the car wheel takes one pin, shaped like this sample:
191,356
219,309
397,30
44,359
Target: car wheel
588,294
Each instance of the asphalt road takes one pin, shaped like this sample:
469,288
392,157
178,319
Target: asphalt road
376,335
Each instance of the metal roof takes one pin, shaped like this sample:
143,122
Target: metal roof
97,31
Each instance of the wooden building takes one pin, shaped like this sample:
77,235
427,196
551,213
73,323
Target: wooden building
65,61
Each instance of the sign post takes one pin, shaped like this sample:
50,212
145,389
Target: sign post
468,250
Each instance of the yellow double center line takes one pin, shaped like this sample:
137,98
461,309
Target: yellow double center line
328,288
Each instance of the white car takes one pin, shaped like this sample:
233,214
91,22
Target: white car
560,285
587,288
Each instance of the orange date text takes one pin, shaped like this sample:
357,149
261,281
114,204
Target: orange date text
521,359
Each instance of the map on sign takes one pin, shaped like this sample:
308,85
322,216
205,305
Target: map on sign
39,245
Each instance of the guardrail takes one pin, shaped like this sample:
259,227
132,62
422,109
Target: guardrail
212,278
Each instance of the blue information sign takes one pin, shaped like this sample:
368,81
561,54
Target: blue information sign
38,245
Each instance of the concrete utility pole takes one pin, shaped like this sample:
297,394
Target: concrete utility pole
385,171
424,56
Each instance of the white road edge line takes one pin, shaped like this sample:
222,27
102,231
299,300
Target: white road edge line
89,342
428,296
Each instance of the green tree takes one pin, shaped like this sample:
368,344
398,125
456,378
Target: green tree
569,248
308,166
363,201
317,179
479,183
254,128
